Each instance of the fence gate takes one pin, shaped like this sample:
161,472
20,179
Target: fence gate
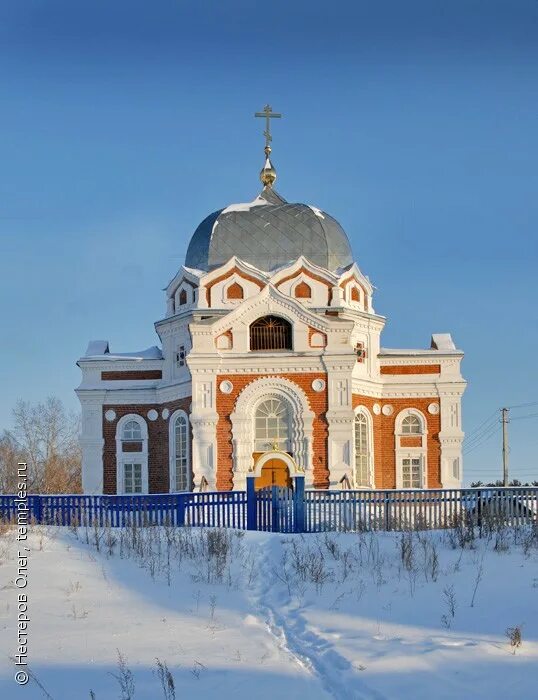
275,509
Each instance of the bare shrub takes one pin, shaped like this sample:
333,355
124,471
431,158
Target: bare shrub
462,533
514,637
407,553
450,603
125,678
501,540
166,679
478,578
197,669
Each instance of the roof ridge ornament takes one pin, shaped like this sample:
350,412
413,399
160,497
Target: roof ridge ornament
268,173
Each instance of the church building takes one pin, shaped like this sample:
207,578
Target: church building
270,362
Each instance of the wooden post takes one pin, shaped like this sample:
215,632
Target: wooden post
299,524
180,510
251,504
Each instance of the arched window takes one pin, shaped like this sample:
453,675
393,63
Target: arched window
182,297
411,425
132,455
270,333
179,462
132,431
411,450
355,296
272,425
303,291
362,450
235,291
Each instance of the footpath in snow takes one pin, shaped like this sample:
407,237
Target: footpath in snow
224,614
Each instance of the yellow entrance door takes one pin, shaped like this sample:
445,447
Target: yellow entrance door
274,472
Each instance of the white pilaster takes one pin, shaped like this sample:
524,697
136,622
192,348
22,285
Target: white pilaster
451,439
91,440
340,418
204,420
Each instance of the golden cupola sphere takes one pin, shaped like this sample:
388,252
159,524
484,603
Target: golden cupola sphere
268,173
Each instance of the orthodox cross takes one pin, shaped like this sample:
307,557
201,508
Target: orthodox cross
341,390
267,114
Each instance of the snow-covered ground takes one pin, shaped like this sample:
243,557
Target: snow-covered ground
255,615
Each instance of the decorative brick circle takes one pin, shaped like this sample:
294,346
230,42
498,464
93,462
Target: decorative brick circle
110,415
318,385
387,409
152,414
433,408
165,413
376,408
226,386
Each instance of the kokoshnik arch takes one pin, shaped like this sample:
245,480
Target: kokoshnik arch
270,361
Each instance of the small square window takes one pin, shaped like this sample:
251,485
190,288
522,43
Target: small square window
132,478
411,473
180,356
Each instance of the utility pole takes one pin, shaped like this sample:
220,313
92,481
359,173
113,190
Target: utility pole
504,421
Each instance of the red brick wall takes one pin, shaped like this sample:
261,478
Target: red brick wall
384,439
132,446
132,375
158,453
303,291
226,405
411,441
411,369
235,291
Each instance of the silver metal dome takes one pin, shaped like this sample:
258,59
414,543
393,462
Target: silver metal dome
269,233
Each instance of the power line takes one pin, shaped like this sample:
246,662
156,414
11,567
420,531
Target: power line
481,432
481,436
528,415
493,430
494,425
475,430
524,405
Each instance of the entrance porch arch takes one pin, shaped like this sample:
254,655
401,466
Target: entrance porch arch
243,429
274,468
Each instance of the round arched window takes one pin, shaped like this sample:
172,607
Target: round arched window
411,425
132,431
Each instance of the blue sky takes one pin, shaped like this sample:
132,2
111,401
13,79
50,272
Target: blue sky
123,124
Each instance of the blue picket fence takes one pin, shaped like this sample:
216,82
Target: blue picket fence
286,510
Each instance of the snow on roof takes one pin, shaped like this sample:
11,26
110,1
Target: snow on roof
245,206
97,347
442,341
99,350
316,211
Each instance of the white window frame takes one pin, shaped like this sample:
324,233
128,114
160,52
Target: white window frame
363,411
284,444
133,463
418,452
172,450
416,421
123,458
411,457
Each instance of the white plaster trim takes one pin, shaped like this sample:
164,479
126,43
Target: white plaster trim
290,271
243,419
275,454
